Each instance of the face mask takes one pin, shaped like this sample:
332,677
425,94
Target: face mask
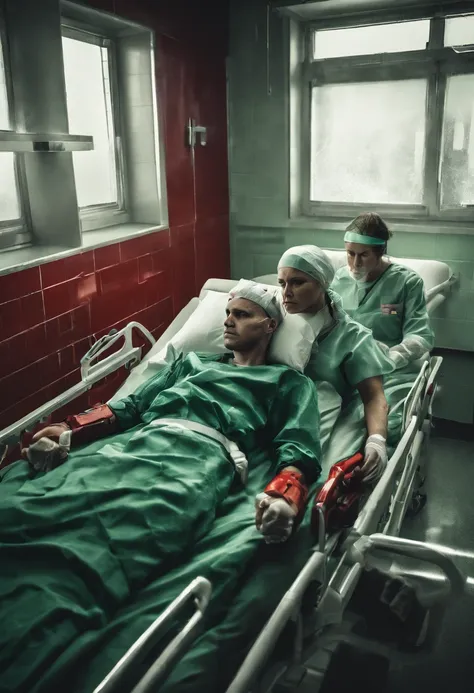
360,275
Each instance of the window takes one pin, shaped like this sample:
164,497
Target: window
368,40
79,143
459,31
10,209
390,113
387,124
457,164
88,77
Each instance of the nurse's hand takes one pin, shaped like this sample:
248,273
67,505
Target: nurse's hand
375,459
274,518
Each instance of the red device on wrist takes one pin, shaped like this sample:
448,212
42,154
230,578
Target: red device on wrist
288,485
92,424
339,497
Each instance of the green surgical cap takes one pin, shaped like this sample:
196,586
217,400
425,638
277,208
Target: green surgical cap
311,260
259,294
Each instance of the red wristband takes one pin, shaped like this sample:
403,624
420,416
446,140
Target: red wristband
92,424
288,485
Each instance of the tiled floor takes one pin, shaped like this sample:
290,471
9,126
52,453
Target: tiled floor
447,519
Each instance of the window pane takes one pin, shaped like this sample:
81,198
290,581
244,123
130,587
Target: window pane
367,142
4,117
9,207
367,40
457,167
9,204
459,31
89,105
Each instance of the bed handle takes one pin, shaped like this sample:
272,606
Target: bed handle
91,374
409,548
90,369
199,590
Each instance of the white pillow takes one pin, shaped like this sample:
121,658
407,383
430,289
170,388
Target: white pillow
204,332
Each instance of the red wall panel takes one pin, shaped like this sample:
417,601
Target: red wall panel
49,315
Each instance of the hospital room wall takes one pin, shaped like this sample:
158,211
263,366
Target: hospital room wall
259,189
50,314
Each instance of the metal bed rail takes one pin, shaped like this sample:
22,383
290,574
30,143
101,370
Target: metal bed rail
92,371
199,590
360,543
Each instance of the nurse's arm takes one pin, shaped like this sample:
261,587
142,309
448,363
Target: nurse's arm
375,405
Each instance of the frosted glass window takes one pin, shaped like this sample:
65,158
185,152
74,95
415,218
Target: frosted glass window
367,142
9,203
459,31
457,161
89,107
368,40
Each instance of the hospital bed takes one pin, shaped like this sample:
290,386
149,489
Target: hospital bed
315,611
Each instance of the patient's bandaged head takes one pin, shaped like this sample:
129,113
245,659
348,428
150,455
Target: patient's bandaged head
261,295
311,260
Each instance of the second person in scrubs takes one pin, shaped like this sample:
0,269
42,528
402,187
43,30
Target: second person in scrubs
345,362
389,299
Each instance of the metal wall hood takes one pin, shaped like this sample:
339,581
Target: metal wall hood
44,142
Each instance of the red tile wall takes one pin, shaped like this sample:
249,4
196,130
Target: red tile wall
49,315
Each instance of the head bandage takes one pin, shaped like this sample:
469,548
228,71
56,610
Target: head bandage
266,299
352,237
311,260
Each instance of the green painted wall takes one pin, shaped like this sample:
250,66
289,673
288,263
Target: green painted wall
261,229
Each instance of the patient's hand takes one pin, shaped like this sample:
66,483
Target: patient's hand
49,447
274,518
53,431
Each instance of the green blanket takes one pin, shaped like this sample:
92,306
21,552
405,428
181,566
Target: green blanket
83,635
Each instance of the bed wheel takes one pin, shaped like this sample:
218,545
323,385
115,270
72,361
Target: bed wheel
352,669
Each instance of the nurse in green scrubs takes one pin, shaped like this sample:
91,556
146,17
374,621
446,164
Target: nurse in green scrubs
346,363
388,299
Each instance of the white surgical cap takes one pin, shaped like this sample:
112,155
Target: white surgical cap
259,294
311,260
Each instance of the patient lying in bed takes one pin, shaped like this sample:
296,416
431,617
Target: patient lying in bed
78,542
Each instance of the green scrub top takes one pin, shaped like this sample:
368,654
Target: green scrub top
346,355
393,306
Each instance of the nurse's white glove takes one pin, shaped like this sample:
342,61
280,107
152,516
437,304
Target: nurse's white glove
274,518
411,349
375,458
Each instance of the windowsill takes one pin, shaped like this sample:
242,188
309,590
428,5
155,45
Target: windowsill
398,224
32,256
431,226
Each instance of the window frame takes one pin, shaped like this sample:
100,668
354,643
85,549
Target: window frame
436,63
14,233
102,215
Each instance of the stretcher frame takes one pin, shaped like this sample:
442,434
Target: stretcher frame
376,529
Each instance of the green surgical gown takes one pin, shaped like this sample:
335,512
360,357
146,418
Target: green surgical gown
79,543
341,358
400,292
